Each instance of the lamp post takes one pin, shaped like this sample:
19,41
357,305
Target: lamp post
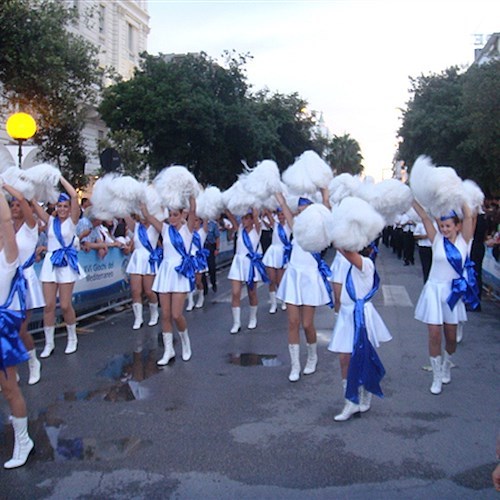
20,127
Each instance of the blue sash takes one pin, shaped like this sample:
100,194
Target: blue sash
373,251
255,261
66,255
365,367
287,245
467,289
325,273
186,267
201,255
12,350
30,261
155,254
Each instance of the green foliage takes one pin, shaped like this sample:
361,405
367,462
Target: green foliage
196,112
454,118
52,74
344,155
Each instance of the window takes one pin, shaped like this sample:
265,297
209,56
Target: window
131,39
102,18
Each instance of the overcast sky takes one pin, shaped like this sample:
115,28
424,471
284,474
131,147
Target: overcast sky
351,60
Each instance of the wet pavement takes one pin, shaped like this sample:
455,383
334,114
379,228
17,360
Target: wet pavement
108,423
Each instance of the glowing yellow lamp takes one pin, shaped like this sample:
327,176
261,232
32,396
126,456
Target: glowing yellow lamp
21,126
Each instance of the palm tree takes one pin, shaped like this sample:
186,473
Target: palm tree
345,155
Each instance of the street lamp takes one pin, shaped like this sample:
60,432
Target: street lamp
21,127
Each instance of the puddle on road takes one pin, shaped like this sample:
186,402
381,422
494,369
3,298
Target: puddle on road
252,359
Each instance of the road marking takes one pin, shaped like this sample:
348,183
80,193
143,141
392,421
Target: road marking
396,295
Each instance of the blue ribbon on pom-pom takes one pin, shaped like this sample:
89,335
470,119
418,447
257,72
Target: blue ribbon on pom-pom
186,267
287,245
155,254
325,273
467,289
255,262
365,367
66,255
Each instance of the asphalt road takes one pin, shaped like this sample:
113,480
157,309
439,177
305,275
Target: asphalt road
228,423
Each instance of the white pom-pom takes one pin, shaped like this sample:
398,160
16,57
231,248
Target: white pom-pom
237,200
175,185
307,174
355,224
341,186
45,178
18,179
312,228
473,195
153,202
263,180
209,204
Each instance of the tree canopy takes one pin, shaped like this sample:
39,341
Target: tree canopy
454,118
344,155
194,111
51,73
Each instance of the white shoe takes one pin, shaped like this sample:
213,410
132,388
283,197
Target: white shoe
350,410
137,309
283,306
437,375
190,301
200,301
22,443
252,322
186,345
168,342
312,359
294,350
154,315
72,344
446,368
365,399
274,305
460,331
34,367
236,320
49,341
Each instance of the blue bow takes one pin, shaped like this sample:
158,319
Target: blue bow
155,254
12,350
373,251
287,245
201,255
461,287
325,273
186,267
365,367
255,262
67,255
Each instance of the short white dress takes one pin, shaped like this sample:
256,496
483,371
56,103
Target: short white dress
240,266
167,279
339,268
194,249
139,260
343,333
26,239
274,254
432,307
302,283
49,273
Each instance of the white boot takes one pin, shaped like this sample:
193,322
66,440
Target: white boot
154,315
137,308
312,359
72,343
283,306
365,399
274,305
252,322
460,331
201,299
34,368
236,320
49,341
186,345
446,368
22,443
294,350
168,342
350,409
437,375
190,301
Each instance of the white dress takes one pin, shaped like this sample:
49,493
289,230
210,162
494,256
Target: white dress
26,239
432,307
339,268
240,266
139,260
203,236
50,273
343,332
274,254
167,279
302,284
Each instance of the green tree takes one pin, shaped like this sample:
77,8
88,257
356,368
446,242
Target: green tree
344,155
50,73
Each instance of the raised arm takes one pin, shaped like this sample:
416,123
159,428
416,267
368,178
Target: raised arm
130,221
353,257
25,206
256,219
426,220
286,209
467,223
232,219
40,212
8,242
157,224
191,218
75,206
325,197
